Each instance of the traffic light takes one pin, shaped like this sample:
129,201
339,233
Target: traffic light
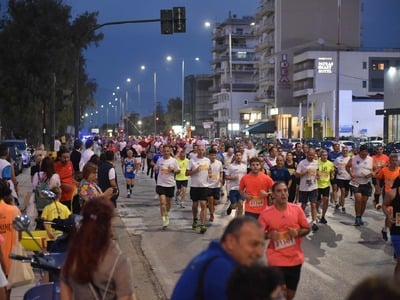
166,21
179,19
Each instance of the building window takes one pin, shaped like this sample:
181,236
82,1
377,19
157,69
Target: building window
364,84
364,65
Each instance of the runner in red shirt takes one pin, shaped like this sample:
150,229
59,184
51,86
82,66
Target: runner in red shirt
285,224
255,188
380,161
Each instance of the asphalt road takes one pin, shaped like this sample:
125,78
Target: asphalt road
337,256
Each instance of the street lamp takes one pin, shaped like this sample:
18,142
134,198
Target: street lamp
143,67
170,58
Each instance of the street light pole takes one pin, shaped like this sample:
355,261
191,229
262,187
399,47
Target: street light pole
230,87
183,93
337,102
155,102
139,100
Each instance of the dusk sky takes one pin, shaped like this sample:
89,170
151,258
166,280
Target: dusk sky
126,47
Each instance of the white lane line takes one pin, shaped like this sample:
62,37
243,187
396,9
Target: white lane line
318,272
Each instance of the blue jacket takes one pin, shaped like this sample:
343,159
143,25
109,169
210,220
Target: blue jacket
215,278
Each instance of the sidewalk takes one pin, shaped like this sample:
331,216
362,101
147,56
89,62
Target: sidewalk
146,283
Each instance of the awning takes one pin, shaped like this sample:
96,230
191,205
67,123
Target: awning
262,127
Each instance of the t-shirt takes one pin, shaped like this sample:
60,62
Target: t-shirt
395,203
340,165
7,215
66,173
182,163
253,184
389,176
286,251
235,169
379,161
360,168
55,210
214,180
166,177
216,274
308,182
325,168
199,179
282,174
332,155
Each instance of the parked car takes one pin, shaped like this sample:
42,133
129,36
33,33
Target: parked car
23,149
393,147
16,158
351,145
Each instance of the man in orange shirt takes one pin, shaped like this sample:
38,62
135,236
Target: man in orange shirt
388,175
379,161
255,187
64,168
285,224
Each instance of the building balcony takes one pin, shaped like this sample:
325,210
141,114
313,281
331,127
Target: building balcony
264,45
303,75
265,9
222,119
303,92
220,106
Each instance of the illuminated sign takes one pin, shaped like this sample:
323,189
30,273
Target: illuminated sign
284,71
325,65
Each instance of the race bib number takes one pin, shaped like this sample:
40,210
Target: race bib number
256,202
397,219
354,183
129,169
284,240
165,171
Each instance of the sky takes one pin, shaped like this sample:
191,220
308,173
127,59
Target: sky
126,47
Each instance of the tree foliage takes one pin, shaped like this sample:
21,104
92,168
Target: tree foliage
39,42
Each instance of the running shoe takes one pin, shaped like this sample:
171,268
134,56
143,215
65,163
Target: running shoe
229,210
181,205
314,227
343,210
194,224
337,206
203,228
323,220
165,221
128,195
211,218
378,206
357,221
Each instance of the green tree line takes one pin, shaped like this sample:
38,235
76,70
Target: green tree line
41,60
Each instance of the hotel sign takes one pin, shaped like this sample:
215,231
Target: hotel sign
325,65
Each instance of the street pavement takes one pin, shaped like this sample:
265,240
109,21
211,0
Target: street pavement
337,256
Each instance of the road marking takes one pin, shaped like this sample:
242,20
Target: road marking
318,272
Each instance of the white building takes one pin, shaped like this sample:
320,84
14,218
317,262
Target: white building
233,67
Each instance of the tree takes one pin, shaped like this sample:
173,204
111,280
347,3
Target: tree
174,112
40,60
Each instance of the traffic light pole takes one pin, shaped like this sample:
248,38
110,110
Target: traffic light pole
176,21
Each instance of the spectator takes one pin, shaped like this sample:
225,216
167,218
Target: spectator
376,288
7,214
53,211
241,244
95,267
88,188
